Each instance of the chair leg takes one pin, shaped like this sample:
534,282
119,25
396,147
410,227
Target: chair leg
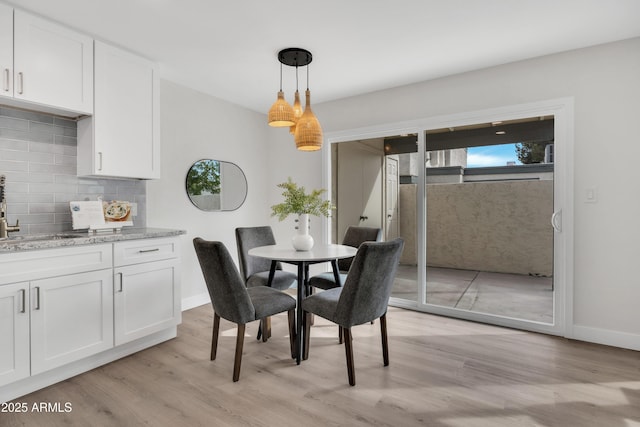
385,340
307,332
268,323
348,348
238,359
265,326
259,331
214,337
340,335
291,314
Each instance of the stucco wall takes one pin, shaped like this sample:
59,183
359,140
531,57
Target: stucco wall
502,227
408,223
491,226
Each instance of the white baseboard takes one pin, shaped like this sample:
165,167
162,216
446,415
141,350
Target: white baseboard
606,337
195,301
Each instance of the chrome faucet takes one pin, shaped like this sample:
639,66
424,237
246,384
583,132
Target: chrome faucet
5,228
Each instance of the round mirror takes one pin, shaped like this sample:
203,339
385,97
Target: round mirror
214,185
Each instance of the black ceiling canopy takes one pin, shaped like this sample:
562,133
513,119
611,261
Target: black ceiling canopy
295,57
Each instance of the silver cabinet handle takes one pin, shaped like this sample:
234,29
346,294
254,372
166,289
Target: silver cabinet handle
24,300
144,251
6,80
20,83
37,307
121,282
99,160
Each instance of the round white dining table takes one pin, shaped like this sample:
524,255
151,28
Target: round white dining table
318,254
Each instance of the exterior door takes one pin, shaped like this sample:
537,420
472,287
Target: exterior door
392,206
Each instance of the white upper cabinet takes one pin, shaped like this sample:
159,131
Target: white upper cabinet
6,49
52,65
122,138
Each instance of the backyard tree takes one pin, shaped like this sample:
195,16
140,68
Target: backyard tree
530,152
204,178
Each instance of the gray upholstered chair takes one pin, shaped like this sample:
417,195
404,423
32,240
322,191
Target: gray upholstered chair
255,271
354,236
363,298
233,301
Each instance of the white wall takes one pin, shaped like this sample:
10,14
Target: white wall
605,85
602,79
196,126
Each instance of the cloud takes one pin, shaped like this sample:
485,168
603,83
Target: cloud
480,160
497,155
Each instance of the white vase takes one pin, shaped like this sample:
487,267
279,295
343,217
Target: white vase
302,240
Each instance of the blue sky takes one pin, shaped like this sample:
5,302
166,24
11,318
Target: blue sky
492,155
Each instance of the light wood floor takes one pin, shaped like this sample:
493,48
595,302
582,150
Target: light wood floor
443,372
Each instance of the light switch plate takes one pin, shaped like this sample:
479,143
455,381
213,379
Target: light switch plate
590,195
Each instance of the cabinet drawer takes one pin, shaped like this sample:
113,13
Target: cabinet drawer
139,251
24,266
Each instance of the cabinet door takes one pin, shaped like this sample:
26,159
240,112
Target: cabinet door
53,65
71,318
146,299
14,332
6,50
126,121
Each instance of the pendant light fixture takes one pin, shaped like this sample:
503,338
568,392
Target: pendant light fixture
304,125
281,113
308,136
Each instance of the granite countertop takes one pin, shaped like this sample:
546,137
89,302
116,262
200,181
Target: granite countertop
77,238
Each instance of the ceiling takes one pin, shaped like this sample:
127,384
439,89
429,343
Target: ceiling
228,49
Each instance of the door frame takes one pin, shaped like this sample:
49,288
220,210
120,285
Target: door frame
563,256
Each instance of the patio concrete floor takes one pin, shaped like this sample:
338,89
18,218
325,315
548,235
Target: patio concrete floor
512,295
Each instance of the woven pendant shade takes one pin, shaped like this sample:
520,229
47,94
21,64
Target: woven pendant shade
308,134
297,112
281,113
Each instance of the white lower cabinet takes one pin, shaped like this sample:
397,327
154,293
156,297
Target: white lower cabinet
14,332
51,322
66,310
146,299
71,318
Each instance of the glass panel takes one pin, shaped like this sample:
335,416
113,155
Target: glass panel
369,190
489,198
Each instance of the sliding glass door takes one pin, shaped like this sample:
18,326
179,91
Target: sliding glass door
479,204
